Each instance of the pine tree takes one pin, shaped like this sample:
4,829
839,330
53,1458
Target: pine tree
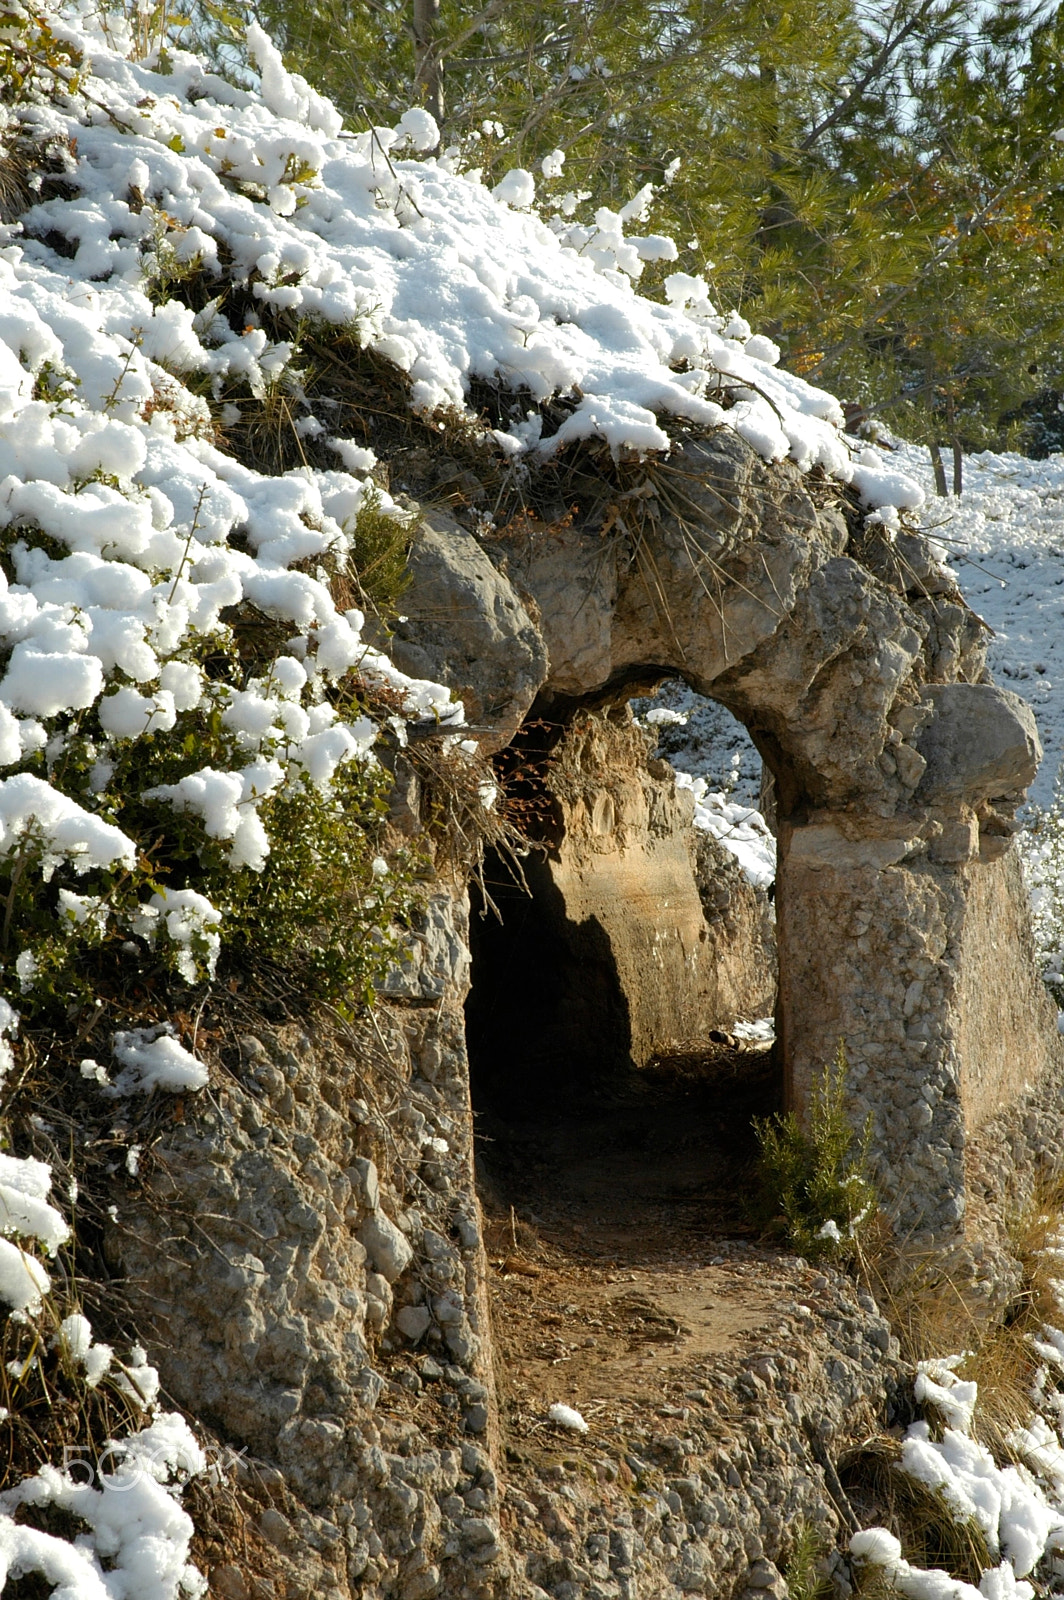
878,187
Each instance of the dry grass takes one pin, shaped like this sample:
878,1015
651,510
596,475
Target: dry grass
50,1413
930,1534
935,1311
462,809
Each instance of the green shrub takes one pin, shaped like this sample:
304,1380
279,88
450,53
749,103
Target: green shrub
376,565
327,902
330,903
814,1180
802,1574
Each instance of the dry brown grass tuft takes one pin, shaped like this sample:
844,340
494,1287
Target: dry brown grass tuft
936,1309
930,1534
49,1413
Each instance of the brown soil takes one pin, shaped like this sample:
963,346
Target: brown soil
624,1264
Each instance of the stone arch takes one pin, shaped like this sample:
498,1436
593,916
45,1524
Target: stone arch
859,671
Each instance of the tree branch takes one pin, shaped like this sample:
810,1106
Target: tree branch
888,48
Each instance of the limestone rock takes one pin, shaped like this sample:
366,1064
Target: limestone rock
263,1243
465,626
740,583
389,1251
413,1322
981,745
636,918
436,963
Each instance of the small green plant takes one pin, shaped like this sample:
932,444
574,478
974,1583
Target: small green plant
167,270
377,566
804,1581
814,1179
327,902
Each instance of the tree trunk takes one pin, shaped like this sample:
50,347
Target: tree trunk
940,471
958,470
428,79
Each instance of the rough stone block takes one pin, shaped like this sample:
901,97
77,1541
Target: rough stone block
981,745
389,1250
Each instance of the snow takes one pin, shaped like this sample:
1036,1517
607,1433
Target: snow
442,275
760,1031
1005,538
154,1059
517,188
9,1021
937,1384
24,1207
1018,1506
741,829
134,1519
23,1280
876,1547
564,1416
33,810
131,533
190,922
76,1343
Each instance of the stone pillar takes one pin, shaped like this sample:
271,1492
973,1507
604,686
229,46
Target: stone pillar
908,938
865,955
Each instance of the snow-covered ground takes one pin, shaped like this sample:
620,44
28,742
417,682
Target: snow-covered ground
1004,538
714,757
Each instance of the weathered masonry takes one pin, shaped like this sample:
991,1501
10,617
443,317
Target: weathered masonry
335,1321
898,768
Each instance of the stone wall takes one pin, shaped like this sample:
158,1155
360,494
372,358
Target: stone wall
307,1245
898,770
308,1255
1007,1038
925,970
712,1490
628,855
312,1217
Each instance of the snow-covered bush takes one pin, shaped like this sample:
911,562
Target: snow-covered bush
183,703
189,728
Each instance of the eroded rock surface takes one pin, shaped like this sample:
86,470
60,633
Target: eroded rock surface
463,625
641,937
859,672
309,1245
309,1254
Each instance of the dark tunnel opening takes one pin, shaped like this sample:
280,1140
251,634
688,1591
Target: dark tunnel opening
572,1133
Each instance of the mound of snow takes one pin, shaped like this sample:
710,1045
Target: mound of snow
741,829
444,277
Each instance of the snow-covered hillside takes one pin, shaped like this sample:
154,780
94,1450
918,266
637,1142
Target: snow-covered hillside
179,236
1004,538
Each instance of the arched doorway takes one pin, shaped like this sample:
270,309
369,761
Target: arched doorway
613,1098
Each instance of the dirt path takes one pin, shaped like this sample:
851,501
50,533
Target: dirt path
623,1259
